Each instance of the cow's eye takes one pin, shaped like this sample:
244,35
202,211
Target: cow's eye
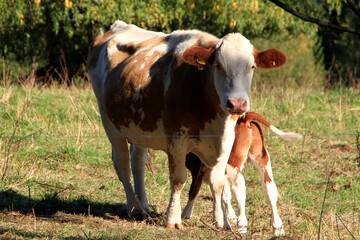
253,66
218,66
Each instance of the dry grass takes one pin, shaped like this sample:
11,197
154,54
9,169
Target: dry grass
58,181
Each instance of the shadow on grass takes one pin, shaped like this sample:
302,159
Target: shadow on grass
24,234
52,203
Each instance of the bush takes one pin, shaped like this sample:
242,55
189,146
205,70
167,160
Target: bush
54,36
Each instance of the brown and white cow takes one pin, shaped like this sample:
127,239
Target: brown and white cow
177,92
249,146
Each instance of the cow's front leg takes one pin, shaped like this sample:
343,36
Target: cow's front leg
217,182
177,182
239,189
138,161
226,196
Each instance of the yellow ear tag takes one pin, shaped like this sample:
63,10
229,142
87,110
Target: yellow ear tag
274,63
201,62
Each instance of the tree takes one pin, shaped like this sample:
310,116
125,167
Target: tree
339,36
54,35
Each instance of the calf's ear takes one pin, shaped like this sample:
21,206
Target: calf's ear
199,56
269,59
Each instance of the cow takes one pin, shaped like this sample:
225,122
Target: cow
249,146
180,92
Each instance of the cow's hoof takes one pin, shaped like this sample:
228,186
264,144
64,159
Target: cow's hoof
139,215
179,226
170,226
242,229
279,231
173,226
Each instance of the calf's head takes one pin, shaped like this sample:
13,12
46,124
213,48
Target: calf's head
233,60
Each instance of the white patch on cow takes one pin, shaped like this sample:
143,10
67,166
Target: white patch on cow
160,49
119,26
111,48
181,40
142,66
154,139
234,56
132,33
144,50
99,74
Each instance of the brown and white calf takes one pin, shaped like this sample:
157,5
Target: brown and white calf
177,92
249,146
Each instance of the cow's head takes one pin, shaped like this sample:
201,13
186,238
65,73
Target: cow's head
233,61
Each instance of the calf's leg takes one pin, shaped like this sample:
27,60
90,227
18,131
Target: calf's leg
194,164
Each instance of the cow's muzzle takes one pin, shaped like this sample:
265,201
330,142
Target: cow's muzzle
236,106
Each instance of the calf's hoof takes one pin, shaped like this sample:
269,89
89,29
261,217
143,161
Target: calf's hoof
242,229
279,231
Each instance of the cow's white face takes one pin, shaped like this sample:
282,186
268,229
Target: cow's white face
233,61
233,71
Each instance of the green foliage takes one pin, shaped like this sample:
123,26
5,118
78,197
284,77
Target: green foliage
339,51
48,33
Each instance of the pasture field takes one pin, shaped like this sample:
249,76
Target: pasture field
58,182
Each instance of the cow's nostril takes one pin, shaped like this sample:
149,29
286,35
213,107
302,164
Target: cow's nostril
237,105
229,105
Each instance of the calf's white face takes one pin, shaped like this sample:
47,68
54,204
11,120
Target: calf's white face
233,71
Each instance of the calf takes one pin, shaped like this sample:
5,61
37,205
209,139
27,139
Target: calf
171,92
249,146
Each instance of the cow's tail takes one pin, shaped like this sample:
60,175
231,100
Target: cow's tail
289,136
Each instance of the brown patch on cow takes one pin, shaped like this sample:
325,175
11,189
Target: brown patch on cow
95,49
242,144
267,178
178,186
103,38
235,117
258,144
191,100
134,94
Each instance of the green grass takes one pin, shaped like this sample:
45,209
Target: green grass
57,179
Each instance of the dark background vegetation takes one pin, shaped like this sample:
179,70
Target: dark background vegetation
52,38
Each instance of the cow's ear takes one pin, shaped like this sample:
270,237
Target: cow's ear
199,56
269,59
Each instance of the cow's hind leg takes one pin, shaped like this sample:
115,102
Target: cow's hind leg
120,158
121,161
138,161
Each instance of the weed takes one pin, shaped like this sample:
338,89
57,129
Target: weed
358,147
59,174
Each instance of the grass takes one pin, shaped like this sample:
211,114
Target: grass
58,182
